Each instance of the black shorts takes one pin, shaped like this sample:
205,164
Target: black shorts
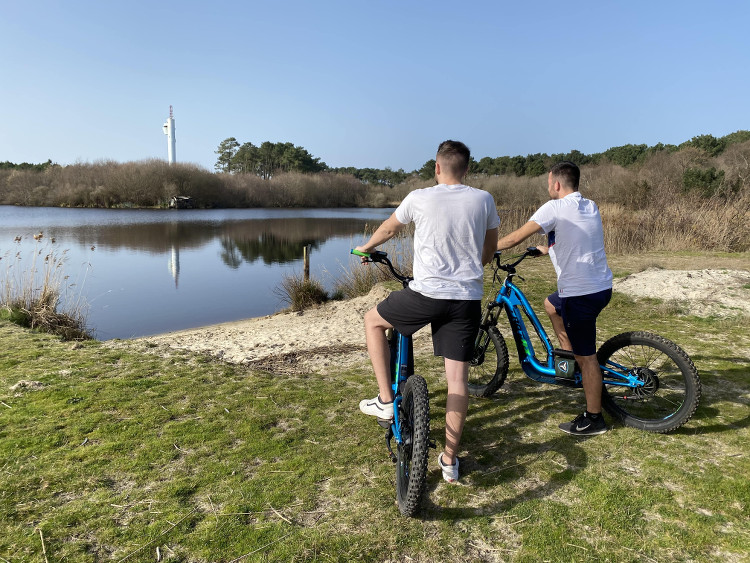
579,318
454,322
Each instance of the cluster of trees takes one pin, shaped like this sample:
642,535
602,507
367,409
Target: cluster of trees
7,165
264,160
273,158
382,176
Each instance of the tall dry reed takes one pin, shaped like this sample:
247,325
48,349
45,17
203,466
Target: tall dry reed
357,279
31,287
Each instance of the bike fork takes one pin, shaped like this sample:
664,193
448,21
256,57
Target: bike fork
389,436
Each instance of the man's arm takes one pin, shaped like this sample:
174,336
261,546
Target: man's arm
519,235
386,231
490,244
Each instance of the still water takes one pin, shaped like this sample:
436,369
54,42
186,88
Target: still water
142,272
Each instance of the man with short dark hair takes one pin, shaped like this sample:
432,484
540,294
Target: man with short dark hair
575,237
455,236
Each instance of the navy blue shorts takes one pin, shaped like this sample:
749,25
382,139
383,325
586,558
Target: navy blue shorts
454,322
579,318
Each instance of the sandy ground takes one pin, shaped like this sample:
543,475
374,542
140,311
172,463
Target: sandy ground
286,342
313,339
704,293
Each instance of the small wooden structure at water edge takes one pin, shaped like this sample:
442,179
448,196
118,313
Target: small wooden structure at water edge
181,202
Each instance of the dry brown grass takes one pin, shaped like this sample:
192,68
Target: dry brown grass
358,279
30,291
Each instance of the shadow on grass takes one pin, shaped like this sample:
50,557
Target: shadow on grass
502,447
719,388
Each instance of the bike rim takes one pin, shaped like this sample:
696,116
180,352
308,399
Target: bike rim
483,366
664,390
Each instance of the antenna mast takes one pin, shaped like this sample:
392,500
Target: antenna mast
169,130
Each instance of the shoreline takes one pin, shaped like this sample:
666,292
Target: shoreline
310,340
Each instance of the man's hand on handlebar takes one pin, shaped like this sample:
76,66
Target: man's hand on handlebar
535,251
364,250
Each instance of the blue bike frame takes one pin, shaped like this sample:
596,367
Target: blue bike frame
516,306
402,366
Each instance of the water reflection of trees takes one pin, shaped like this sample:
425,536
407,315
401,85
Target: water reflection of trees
269,248
271,240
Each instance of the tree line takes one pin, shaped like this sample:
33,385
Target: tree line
285,175
7,165
270,158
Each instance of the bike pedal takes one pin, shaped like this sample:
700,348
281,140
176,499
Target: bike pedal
384,423
432,444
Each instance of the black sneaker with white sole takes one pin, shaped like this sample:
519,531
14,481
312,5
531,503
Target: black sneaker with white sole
585,425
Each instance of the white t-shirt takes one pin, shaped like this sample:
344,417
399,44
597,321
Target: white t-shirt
451,223
576,238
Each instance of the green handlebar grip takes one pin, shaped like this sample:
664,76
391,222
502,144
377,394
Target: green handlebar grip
359,253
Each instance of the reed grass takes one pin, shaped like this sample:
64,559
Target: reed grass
300,293
31,287
356,279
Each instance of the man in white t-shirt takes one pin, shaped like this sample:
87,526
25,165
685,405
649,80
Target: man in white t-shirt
584,281
455,234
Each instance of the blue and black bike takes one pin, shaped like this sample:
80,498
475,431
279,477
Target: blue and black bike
650,382
410,427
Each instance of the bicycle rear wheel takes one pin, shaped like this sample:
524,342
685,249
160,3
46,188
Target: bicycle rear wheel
411,459
671,389
488,366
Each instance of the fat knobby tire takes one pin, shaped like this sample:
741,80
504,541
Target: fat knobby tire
411,463
651,345
494,356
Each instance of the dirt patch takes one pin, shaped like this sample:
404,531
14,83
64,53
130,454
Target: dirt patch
704,293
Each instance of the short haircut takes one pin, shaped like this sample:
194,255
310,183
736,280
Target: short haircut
567,173
454,156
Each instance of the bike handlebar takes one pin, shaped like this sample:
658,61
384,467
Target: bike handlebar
531,251
380,257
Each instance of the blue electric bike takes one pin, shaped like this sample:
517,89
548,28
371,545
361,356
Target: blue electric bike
650,383
410,426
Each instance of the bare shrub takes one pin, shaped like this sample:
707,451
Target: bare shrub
511,192
735,161
679,224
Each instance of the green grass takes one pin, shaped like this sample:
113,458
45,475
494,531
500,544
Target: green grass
113,451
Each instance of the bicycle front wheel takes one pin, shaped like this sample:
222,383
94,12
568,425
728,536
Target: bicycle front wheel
411,462
671,389
488,366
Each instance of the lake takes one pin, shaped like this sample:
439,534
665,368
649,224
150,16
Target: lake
142,272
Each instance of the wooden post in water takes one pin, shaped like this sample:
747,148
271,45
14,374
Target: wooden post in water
306,259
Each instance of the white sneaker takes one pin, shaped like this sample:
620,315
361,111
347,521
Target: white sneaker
450,472
375,407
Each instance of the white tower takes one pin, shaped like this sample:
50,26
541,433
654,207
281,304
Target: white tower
169,132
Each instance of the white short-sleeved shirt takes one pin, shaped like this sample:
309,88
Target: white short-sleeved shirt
451,223
576,240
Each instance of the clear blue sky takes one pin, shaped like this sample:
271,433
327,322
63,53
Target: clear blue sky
366,83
